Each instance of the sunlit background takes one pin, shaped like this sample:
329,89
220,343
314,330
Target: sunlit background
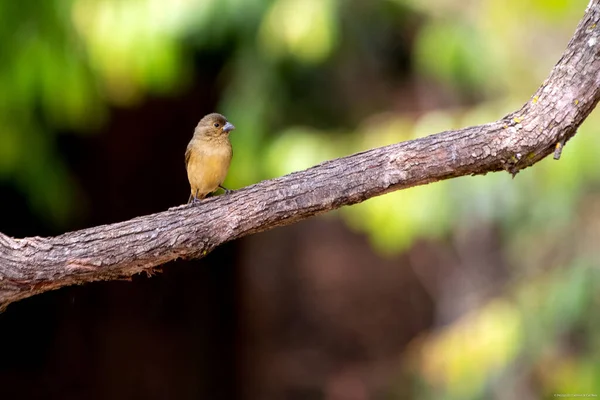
474,288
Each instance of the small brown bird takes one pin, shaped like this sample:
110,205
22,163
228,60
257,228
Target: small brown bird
208,156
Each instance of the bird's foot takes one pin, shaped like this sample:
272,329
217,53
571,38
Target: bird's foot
193,201
227,191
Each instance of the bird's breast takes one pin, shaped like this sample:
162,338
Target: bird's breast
208,165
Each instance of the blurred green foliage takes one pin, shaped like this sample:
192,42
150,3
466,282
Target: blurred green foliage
309,80
471,358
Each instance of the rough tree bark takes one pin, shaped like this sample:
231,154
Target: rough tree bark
542,126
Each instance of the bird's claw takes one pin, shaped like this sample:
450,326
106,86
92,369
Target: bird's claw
227,191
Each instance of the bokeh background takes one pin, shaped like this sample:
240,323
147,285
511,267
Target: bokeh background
474,288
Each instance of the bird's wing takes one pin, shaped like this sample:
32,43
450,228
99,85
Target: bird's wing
188,154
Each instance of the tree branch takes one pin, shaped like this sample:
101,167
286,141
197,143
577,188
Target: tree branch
35,265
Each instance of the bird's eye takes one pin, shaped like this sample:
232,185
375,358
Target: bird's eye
216,125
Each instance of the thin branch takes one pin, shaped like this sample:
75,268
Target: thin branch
35,265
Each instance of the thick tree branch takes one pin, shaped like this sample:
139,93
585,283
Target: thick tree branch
34,265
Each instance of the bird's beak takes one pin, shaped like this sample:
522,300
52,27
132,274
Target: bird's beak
228,127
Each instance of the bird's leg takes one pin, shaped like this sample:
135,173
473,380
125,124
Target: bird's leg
227,191
194,198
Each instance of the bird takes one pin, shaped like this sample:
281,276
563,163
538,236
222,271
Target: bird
208,156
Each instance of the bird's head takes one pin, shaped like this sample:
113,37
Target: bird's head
214,125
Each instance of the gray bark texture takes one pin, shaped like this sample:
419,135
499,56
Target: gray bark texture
551,117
